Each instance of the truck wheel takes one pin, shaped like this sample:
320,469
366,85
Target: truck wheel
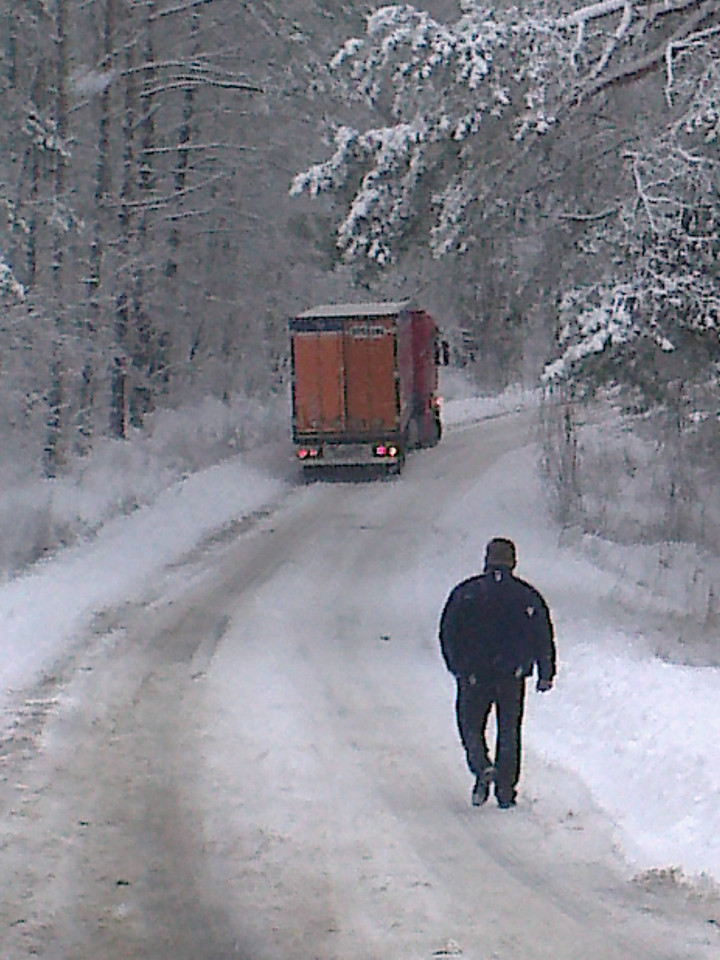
413,435
432,430
395,469
435,431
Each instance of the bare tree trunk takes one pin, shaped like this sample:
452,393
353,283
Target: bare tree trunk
185,132
96,255
118,373
54,453
31,264
561,453
180,175
142,401
11,49
136,186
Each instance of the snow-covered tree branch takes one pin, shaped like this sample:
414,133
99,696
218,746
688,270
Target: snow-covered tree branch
485,127
446,90
10,287
666,280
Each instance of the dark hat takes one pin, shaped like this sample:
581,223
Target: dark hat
500,552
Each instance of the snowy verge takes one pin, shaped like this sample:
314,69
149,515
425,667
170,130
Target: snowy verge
462,405
39,516
42,611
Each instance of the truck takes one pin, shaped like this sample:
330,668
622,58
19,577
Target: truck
364,384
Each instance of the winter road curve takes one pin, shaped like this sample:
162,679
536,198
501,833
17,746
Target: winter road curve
257,760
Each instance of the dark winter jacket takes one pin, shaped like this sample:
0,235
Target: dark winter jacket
496,625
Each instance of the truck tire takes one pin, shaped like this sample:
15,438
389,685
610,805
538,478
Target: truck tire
413,435
432,431
395,469
435,431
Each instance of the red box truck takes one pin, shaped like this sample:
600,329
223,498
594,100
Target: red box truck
364,384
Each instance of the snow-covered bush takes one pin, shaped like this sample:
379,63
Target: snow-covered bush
118,476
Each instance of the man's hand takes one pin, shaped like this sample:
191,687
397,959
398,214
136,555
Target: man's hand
544,685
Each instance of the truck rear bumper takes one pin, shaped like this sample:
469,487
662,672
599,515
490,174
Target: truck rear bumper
348,454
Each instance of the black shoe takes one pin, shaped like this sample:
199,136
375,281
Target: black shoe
506,804
481,790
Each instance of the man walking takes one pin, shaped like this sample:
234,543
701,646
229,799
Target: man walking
495,628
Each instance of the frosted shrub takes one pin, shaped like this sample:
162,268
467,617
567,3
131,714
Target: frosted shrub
119,476
191,438
25,520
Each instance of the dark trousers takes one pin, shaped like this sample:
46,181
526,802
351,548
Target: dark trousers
473,705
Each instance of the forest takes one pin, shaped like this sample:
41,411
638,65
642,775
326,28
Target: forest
181,176
148,253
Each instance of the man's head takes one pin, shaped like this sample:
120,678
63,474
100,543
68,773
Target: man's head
500,552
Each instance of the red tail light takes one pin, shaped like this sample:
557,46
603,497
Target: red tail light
385,450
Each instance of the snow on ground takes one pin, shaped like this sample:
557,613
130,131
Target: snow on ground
42,612
642,734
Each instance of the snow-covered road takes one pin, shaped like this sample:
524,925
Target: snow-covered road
255,757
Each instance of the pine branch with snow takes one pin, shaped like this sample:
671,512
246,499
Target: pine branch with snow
10,286
453,96
438,85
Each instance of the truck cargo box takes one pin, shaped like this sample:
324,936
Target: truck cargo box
364,383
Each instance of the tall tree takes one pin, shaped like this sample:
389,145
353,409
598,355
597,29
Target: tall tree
61,217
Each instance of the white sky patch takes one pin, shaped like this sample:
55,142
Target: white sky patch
92,82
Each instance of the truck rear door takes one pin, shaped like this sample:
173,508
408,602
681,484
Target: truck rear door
371,392
319,381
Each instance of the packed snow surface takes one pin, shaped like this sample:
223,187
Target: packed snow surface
641,733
